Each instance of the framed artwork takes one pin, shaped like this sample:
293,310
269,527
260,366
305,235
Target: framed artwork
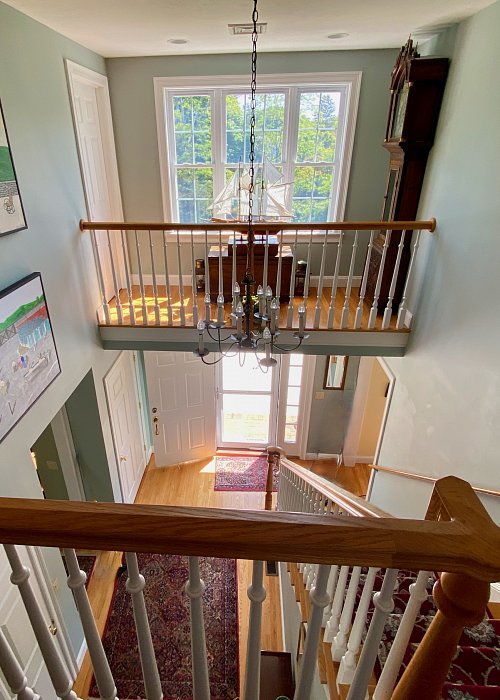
11,208
28,355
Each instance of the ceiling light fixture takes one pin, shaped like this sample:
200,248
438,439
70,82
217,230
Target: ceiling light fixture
238,29
337,35
177,41
263,313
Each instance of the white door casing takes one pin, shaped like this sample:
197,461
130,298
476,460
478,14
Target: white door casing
181,393
16,627
123,405
96,149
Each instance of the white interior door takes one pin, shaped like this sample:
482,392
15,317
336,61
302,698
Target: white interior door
16,627
247,401
123,404
182,404
94,133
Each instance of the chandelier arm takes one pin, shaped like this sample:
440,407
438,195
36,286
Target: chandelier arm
286,349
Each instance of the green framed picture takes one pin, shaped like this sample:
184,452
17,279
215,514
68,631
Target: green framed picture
11,208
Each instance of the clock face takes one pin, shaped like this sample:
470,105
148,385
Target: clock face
400,111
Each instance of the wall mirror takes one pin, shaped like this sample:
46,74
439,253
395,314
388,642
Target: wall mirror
335,371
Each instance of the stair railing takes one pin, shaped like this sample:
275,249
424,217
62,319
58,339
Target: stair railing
147,272
463,541
354,670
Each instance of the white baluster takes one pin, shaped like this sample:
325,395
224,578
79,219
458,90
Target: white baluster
331,585
402,307
348,663
308,277
257,595
181,281
141,280
207,269
100,277
55,666
266,264
193,283
167,280
135,585
195,588
345,311
319,599
373,311
359,311
339,644
116,287
233,275
384,604
321,282
289,319
102,671
280,261
13,672
332,626
387,680
221,276
388,309
130,296
335,283
154,281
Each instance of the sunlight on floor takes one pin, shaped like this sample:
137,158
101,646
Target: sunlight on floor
209,468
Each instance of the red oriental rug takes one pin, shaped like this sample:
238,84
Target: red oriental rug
168,612
249,473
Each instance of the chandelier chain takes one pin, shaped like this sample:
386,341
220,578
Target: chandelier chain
253,108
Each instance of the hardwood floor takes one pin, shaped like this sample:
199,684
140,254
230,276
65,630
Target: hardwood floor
353,302
354,479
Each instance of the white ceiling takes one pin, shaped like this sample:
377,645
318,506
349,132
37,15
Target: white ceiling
143,27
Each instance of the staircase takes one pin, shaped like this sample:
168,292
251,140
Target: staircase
474,673
371,627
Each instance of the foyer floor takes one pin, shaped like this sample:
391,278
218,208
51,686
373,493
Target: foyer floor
192,484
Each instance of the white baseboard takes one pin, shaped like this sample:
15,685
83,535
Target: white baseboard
160,279
187,280
321,455
328,281
351,460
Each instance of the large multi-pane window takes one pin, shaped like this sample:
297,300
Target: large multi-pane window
300,132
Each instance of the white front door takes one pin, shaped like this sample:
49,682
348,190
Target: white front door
182,404
247,401
123,403
15,625
93,126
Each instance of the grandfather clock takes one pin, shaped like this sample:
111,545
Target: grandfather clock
417,86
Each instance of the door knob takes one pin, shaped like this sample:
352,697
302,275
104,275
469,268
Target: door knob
52,628
154,410
123,458
155,421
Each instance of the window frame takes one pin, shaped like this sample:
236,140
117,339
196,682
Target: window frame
166,88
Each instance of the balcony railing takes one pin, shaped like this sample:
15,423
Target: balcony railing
172,275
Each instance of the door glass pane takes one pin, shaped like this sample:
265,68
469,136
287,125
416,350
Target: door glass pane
293,395
247,378
294,376
291,432
245,418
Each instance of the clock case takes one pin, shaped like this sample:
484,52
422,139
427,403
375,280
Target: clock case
414,115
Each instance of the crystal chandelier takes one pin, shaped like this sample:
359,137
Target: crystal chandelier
266,318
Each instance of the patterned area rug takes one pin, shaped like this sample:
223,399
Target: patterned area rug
168,612
235,473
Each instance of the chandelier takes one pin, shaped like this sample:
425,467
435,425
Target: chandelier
257,323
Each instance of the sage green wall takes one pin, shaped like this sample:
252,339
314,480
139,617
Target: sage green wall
134,118
36,105
445,411
330,415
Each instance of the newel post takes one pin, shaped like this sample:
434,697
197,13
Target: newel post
274,455
461,602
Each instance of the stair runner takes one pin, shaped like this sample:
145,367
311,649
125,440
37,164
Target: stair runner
475,670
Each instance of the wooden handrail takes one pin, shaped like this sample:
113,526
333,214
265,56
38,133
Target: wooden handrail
430,479
469,543
270,227
354,505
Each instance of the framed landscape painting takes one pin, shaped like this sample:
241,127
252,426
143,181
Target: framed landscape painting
11,208
28,355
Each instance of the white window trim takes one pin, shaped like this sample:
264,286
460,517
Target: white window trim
306,80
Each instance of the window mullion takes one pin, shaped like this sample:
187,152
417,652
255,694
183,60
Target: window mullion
292,131
218,139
